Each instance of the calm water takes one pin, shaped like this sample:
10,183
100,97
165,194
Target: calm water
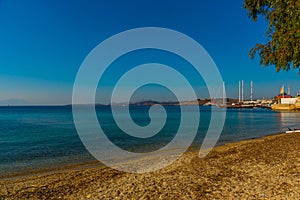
45,137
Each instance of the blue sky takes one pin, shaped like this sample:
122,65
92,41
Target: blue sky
43,43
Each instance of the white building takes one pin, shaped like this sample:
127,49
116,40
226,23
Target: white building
288,100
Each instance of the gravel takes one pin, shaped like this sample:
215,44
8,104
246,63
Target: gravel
266,168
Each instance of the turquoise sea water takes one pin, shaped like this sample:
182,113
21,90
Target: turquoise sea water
43,137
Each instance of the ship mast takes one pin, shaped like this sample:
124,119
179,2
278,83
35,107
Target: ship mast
239,91
223,93
251,91
242,90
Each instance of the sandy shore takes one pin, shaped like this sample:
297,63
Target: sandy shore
266,168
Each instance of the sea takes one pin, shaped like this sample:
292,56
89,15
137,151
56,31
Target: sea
37,138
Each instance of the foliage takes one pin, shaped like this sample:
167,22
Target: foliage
282,48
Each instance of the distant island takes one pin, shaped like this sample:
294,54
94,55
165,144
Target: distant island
206,101
176,103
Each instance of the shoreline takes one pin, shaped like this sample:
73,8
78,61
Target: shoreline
96,163
255,168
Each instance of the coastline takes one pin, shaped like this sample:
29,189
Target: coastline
95,163
267,167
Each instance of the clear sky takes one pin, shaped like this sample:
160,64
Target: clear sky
43,43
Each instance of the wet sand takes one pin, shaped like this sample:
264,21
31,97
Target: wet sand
266,168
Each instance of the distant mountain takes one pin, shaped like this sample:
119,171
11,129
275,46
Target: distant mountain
168,103
83,105
18,102
150,103
175,103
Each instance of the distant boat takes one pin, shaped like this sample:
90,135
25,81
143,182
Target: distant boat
210,104
293,131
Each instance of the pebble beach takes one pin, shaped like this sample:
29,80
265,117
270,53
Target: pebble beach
264,168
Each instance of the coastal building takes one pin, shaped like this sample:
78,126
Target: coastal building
285,102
